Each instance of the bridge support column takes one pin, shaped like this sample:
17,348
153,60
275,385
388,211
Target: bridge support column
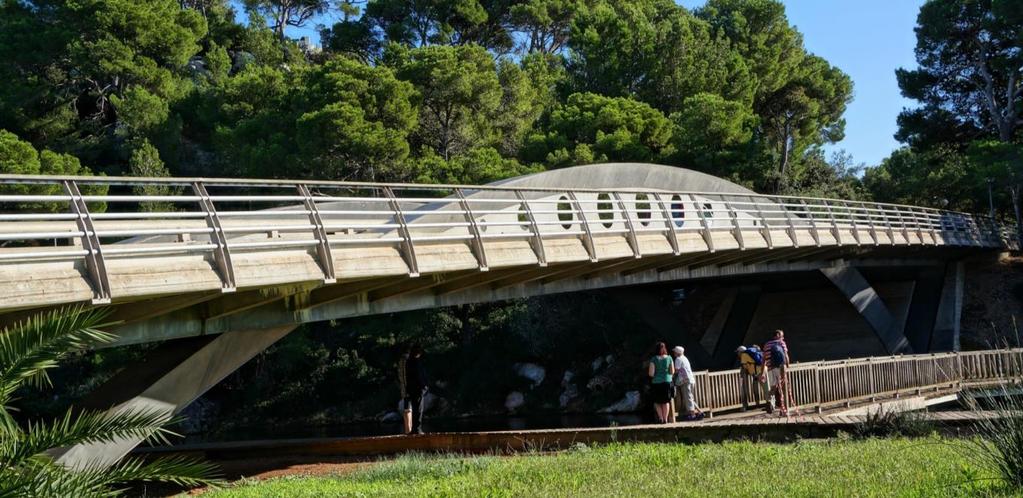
851,283
945,336
170,378
736,324
659,317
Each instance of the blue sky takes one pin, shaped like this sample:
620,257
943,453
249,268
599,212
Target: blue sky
868,39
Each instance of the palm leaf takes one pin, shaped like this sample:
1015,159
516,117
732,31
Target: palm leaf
85,427
31,347
178,469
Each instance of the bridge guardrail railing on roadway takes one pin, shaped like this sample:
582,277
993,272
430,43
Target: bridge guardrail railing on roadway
94,220
821,384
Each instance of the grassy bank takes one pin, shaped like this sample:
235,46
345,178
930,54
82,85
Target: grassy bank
897,467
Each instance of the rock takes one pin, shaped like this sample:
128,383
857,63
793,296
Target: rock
571,392
599,383
391,417
597,363
514,400
429,401
627,404
567,378
531,371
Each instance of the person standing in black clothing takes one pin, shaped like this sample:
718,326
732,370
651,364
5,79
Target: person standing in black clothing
416,385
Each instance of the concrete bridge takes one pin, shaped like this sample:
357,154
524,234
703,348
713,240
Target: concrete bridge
225,267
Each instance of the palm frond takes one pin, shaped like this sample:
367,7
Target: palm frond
85,427
37,478
31,347
178,469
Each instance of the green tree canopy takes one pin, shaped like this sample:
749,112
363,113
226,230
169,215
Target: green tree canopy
970,75
75,72
594,128
460,92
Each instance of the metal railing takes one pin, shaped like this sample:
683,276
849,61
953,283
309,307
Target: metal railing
50,218
822,384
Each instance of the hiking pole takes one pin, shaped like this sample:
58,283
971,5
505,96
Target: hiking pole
790,403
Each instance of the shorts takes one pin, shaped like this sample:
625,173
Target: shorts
661,392
774,376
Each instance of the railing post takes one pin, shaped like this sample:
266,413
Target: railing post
765,231
815,233
817,385
845,380
916,374
474,229
408,246
95,264
734,215
670,221
323,252
852,221
900,215
788,218
222,253
930,225
870,373
834,223
538,249
918,224
587,234
870,223
708,237
633,240
887,224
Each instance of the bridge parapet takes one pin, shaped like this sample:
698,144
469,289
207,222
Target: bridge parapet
144,237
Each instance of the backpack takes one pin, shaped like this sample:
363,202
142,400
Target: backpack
777,355
756,355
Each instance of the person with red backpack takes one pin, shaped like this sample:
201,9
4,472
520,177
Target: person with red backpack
752,373
776,359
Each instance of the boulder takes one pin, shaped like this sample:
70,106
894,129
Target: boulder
430,401
391,417
571,392
567,378
599,383
629,403
535,373
514,400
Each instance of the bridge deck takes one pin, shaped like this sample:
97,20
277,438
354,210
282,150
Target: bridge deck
301,251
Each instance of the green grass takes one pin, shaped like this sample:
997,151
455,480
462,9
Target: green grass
875,467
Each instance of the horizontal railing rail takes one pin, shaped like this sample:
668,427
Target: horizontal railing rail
93,219
822,384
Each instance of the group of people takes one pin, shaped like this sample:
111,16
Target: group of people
765,369
671,378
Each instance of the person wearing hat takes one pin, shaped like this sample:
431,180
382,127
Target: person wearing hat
751,372
684,380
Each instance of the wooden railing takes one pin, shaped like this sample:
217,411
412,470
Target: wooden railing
821,384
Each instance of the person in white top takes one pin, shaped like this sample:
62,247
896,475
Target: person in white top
684,380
